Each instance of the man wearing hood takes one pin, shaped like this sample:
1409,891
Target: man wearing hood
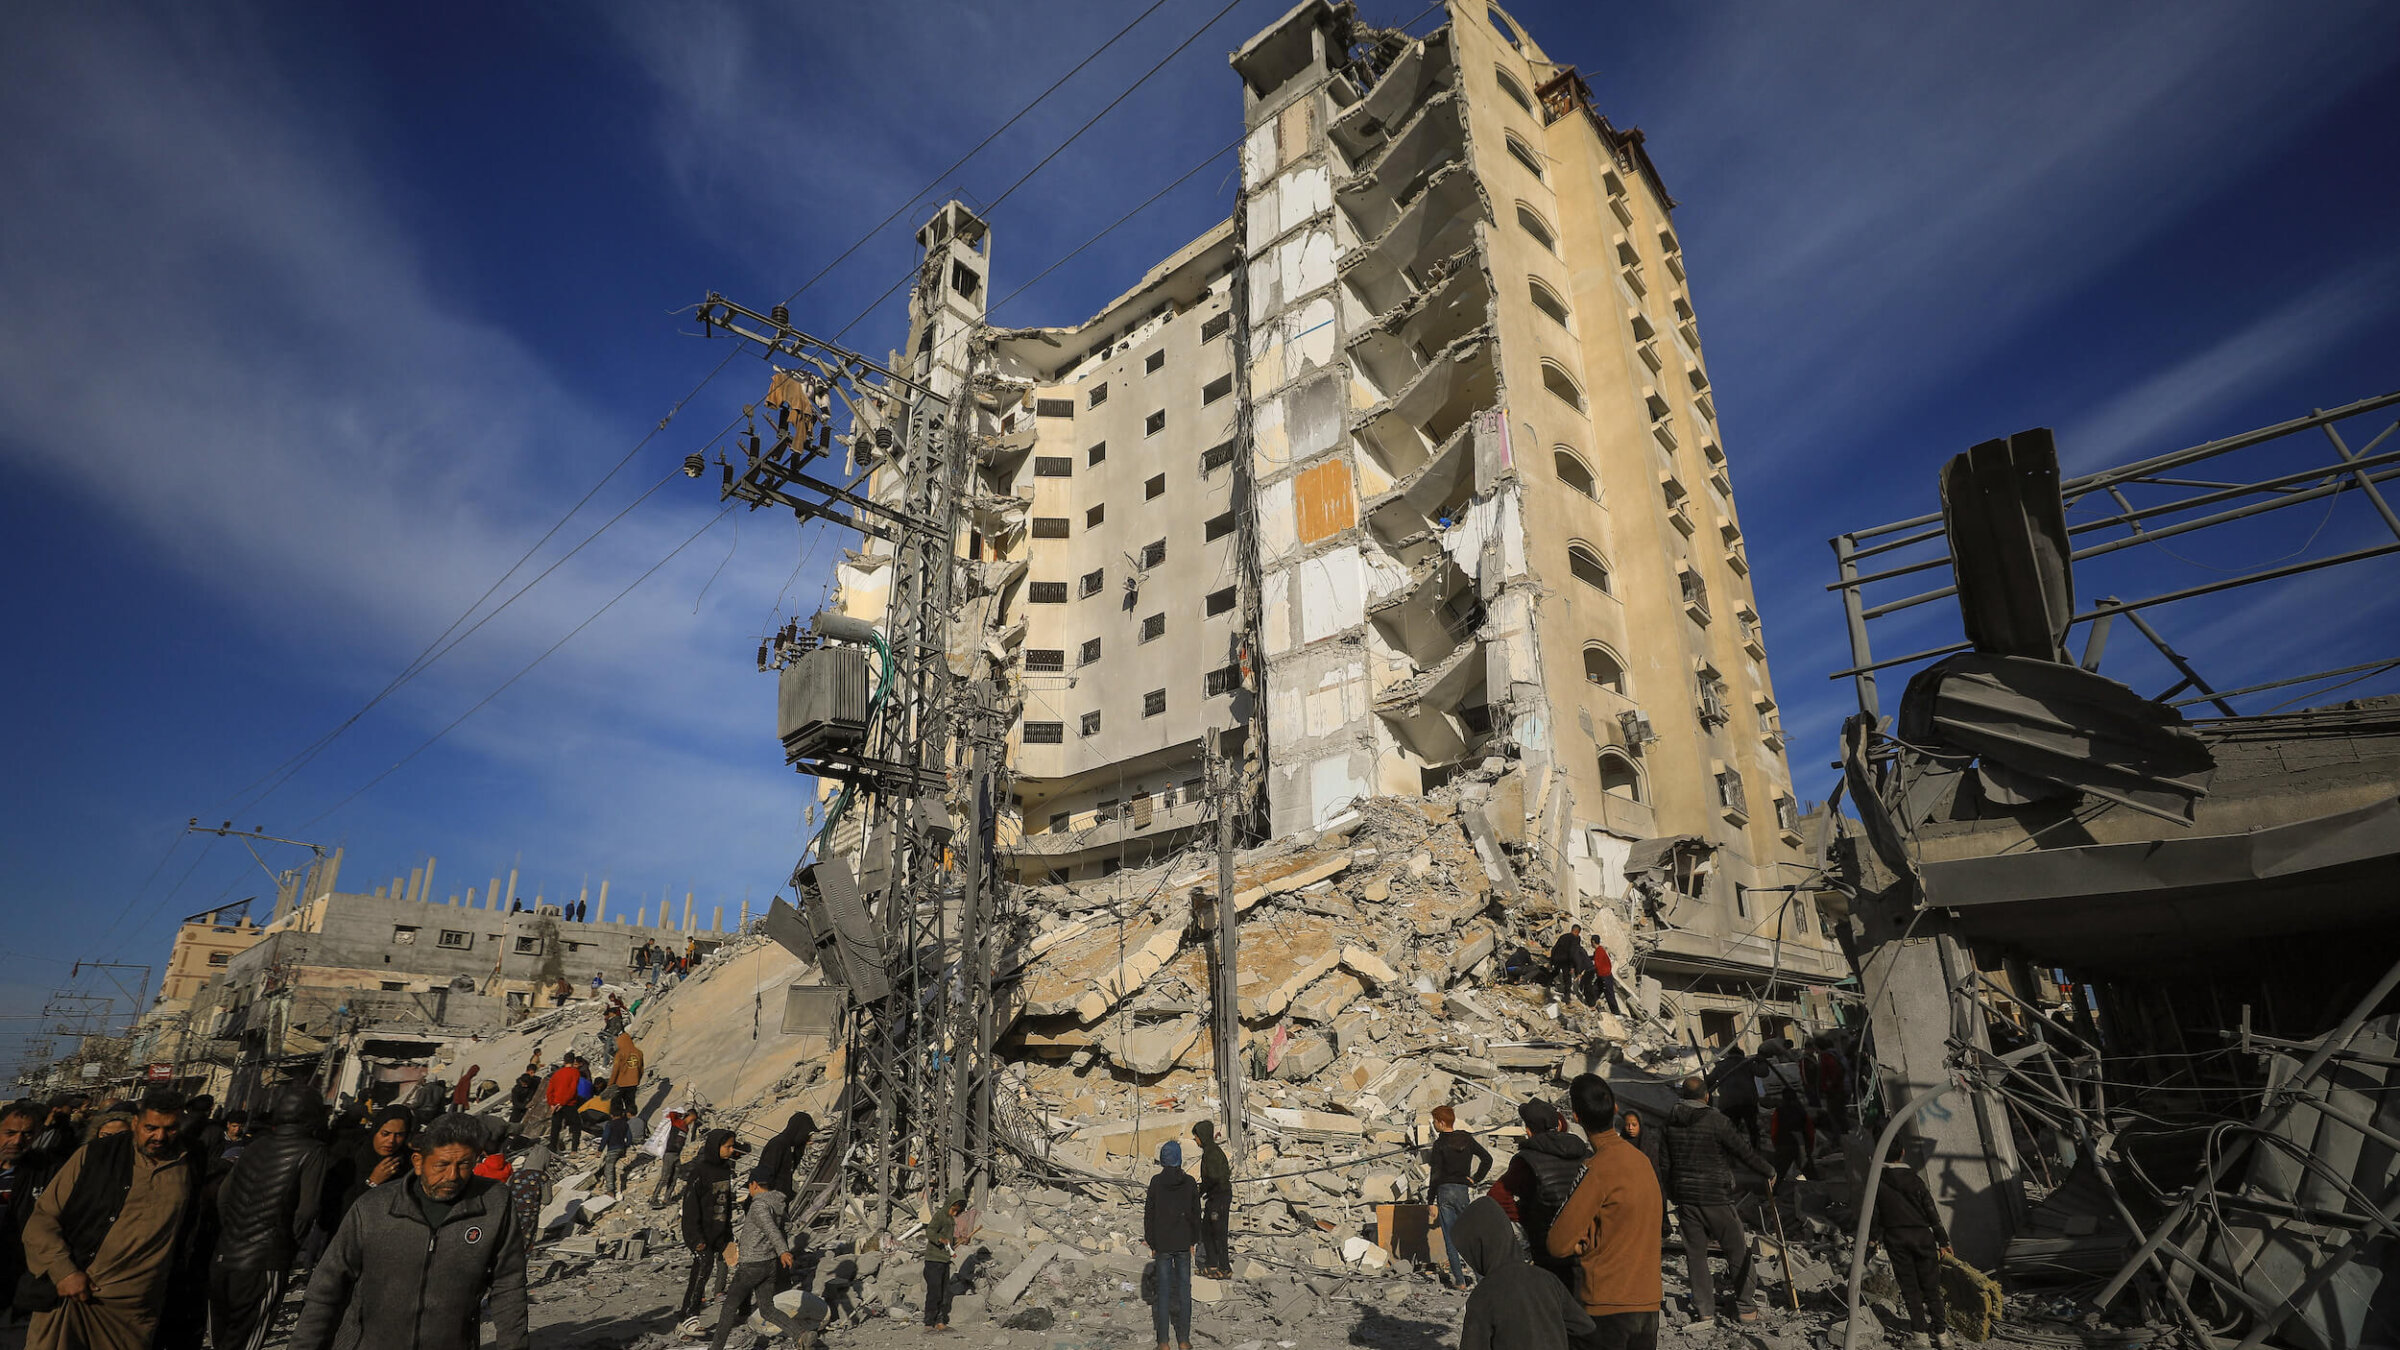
1514,1306
415,1262
1541,1177
1702,1146
708,1216
265,1207
941,1245
779,1159
1171,1227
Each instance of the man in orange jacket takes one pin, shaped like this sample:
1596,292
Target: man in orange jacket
560,1094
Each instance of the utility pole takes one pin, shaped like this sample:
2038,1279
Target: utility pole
1225,784
911,1048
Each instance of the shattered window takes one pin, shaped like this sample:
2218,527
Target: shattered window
1093,581
1533,224
1215,328
1547,301
1099,395
1091,723
1573,473
1215,457
1219,526
964,280
1556,379
1225,681
1515,91
1588,568
1090,652
1155,423
1603,669
1524,155
1154,553
1619,777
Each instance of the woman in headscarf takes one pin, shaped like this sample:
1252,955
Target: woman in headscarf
708,1216
465,1091
378,1159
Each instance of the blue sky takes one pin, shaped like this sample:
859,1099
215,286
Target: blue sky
313,319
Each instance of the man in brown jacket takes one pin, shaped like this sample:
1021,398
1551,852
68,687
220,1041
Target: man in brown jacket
625,1072
1611,1226
110,1234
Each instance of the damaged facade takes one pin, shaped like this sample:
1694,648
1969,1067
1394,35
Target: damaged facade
1410,467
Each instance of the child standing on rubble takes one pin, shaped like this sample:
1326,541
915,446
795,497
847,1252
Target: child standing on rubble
1910,1229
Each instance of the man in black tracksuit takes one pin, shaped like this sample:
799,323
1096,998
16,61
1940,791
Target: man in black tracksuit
416,1260
265,1206
1911,1231
1702,1146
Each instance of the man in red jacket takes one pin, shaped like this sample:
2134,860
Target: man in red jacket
1604,976
560,1094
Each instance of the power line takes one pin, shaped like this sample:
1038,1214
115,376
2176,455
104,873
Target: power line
1072,137
1070,255
436,650
960,162
524,670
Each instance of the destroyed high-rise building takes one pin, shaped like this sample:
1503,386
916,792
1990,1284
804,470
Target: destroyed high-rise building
1411,465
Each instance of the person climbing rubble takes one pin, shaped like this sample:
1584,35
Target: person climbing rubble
1702,1146
779,1158
708,1199
1514,1306
1604,979
1611,1225
1909,1226
1567,963
1458,1163
765,1248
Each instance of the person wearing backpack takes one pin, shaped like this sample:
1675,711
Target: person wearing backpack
1540,1178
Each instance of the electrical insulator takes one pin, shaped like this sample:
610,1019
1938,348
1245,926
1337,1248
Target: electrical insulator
782,315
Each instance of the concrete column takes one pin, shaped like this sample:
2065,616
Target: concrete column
426,894
454,899
1971,1166
329,874
716,919
491,894
687,911
641,917
512,887
745,921
416,883
604,899
471,899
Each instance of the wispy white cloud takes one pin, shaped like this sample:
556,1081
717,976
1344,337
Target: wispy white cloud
2182,399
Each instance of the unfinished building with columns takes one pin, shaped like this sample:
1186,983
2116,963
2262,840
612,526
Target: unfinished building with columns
1408,473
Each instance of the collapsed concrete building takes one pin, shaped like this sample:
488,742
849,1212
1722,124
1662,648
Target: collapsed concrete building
2129,960
1411,465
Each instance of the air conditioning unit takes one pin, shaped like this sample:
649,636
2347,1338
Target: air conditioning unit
1637,729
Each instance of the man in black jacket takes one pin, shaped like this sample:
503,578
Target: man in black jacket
1458,1165
24,1171
265,1207
1539,1180
779,1158
1702,1146
1567,963
417,1260
1216,1204
1911,1231
1171,1228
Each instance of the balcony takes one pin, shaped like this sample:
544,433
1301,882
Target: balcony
1433,139
1696,376
1650,356
1730,800
1754,641
1787,820
1735,556
1695,596
1770,732
1632,276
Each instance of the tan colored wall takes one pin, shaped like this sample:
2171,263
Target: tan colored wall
188,960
